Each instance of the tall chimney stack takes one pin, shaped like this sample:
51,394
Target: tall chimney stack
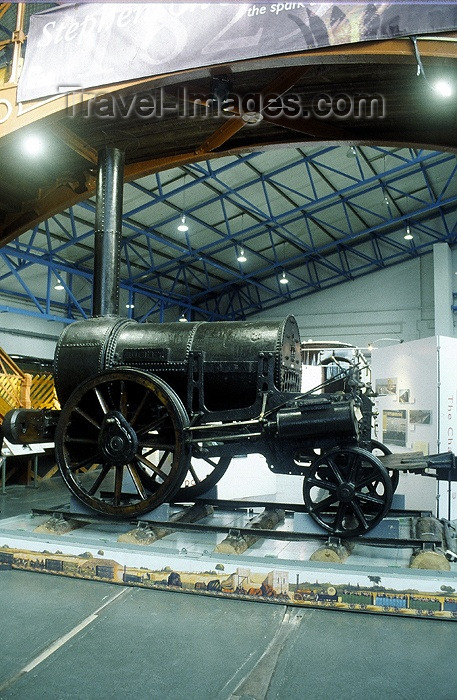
108,231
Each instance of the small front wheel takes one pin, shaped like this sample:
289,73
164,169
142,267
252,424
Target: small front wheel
347,491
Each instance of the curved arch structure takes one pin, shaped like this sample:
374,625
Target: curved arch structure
386,104
328,223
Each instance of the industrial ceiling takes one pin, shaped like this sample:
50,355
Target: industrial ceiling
317,201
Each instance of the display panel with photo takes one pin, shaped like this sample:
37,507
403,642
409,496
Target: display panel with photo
421,417
394,427
404,395
386,387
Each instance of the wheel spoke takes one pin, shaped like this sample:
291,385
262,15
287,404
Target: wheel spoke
340,513
209,461
137,481
354,465
101,400
322,505
103,474
82,441
152,426
85,415
118,479
156,447
372,489
321,484
139,409
155,468
335,469
194,474
369,498
367,479
151,480
123,399
92,459
163,459
359,514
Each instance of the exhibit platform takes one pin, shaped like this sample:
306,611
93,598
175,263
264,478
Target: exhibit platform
251,551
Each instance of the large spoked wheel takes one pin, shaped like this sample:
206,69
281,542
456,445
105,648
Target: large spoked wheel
120,442
380,450
203,473
347,491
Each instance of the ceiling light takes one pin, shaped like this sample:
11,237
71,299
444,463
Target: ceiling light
183,226
284,279
33,145
408,235
241,257
443,88
351,152
59,286
183,319
130,306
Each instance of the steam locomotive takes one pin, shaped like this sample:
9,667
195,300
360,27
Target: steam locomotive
156,412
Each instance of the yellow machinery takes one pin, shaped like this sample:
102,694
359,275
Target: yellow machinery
19,389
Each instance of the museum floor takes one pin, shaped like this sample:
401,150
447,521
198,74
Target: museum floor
66,638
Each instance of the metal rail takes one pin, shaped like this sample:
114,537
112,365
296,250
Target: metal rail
283,535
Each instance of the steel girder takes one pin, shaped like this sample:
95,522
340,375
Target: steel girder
321,217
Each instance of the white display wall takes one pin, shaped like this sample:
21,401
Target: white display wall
416,383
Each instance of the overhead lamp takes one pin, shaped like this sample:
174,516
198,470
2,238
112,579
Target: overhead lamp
351,152
283,279
408,235
130,306
33,145
182,319
241,257
443,88
59,286
183,226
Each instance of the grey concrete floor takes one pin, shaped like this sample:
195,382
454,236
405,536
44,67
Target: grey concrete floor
65,638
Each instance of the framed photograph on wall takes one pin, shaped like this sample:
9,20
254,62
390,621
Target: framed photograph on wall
420,417
394,427
386,387
404,395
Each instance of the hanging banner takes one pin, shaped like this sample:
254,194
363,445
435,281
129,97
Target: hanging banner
86,45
